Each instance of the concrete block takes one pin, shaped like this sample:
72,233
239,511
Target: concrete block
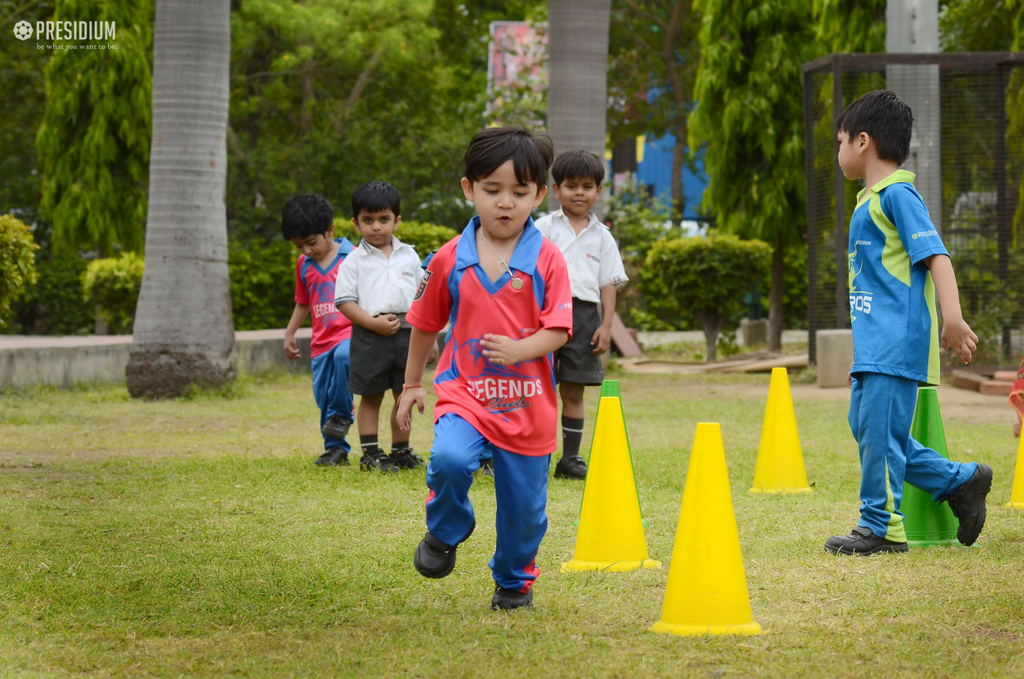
835,356
995,388
1006,376
963,379
753,332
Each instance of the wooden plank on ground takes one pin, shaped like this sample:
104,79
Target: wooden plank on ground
622,340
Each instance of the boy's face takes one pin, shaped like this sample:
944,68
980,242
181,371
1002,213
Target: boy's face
316,246
577,196
853,154
503,203
376,228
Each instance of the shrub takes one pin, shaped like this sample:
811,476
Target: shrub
706,278
17,263
112,284
262,282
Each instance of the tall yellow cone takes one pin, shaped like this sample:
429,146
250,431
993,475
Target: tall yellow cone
707,586
780,464
1017,494
611,532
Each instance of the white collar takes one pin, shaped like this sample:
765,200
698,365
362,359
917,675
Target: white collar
590,216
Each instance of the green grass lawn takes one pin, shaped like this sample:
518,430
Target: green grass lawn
196,538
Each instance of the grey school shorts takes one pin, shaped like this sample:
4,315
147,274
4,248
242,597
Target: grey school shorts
377,362
576,361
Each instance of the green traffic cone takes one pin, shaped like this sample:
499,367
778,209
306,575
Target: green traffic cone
928,523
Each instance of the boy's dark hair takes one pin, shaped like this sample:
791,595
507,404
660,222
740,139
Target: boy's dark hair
579,165
375,196
306,215
490,149
887,120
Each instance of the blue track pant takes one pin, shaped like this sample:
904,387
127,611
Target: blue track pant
881,415
330,389
520,487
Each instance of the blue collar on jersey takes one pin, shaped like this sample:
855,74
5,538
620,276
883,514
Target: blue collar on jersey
523,259
344,245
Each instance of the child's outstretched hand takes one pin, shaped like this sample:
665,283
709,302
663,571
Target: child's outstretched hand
500,350
602,340
410,396
959,337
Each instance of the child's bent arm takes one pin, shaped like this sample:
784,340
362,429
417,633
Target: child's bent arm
382,325
956,334
503,350
420,343
299,314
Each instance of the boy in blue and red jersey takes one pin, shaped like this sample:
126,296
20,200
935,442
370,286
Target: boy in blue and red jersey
308,222
505,291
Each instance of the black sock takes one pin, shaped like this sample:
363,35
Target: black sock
572,435
397,446
368,443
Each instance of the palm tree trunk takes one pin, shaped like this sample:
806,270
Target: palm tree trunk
183,331
578,76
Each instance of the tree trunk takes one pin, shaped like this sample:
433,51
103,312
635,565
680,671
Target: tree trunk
712,327
183,329
578,77
678,160
775,297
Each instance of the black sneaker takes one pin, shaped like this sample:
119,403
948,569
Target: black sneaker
336,426
861,542
510,599
968,504
376,460
571,467
334,457
433,558
406,459
486,468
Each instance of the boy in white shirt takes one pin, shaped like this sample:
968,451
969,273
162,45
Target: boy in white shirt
376,285
595,271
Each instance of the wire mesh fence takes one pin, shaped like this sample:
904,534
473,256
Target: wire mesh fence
968,154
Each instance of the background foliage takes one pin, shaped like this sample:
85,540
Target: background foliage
17,263
112,286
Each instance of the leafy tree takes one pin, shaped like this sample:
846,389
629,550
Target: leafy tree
111,285
23,85
750,115
978,25
93,142
849,26
183,334
653,56
17,263
703,277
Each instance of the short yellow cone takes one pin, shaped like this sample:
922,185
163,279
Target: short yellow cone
611,531
1017,494
707,586
780,463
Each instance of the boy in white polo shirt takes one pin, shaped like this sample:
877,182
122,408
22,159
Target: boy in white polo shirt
374,290
595,271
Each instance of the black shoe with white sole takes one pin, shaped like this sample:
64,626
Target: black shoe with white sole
861,542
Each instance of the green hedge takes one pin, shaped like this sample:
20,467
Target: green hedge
17,264
112,285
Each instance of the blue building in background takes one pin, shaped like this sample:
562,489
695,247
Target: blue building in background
654,168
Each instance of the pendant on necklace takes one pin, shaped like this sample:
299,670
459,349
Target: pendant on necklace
517,283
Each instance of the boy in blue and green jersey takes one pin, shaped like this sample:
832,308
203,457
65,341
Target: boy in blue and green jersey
897,264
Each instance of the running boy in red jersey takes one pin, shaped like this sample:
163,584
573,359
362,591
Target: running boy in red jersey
308,222
505,291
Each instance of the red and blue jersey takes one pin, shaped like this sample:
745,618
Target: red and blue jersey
515,407
315,286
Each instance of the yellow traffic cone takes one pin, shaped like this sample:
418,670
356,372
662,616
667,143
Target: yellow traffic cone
611,532
707,586
780,464
1017,494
